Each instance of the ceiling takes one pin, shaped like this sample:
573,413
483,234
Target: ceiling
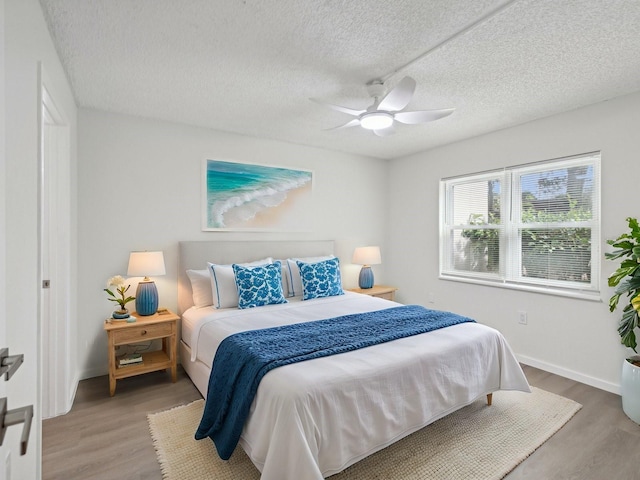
251,66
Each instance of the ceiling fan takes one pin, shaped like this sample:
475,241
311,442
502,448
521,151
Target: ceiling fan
386,109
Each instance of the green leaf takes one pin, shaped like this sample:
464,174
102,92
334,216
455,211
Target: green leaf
614,255
628,323
629,263
613,302
619,274
629,340
630,284
109,292
623,244
635,302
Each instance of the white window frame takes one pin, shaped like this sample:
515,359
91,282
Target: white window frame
509,272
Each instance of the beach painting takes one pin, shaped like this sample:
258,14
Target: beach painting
246,196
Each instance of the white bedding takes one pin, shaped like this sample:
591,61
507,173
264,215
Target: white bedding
312,419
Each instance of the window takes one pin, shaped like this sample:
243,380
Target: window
535,227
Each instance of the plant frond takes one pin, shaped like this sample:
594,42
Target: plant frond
619,274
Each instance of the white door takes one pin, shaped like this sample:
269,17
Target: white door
7,447
4,451
55,224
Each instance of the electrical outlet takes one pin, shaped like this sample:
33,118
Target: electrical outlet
522,317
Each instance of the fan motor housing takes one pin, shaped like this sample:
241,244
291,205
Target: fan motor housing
376,89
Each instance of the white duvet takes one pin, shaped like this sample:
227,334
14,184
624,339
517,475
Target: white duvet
312,419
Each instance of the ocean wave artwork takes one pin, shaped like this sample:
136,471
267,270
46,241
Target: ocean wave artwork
250,196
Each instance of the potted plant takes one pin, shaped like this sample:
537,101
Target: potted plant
626,279
121,299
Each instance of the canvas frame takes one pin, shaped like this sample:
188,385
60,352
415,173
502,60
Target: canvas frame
254,197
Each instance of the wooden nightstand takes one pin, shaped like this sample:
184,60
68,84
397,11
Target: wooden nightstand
150,327
382,291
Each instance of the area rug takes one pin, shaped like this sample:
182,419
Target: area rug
476,442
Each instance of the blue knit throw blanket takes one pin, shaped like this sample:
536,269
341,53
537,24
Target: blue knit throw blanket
244,358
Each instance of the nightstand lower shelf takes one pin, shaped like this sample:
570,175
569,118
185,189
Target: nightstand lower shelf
151,362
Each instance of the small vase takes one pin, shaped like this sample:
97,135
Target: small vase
121,314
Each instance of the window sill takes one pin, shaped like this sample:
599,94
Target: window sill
577,294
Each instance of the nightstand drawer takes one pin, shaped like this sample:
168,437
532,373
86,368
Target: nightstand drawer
142,332
386,296
380,291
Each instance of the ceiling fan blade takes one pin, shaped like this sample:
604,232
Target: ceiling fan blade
351,123
422,116
399,97
385,132
349,111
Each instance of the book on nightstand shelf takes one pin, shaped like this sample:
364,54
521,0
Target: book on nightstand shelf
133,359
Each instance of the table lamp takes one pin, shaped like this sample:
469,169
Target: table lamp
146,264
366,256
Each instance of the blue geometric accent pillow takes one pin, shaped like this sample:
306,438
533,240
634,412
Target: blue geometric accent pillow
259,285
321,279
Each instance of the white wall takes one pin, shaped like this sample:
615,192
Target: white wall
139,189
575,338
27,42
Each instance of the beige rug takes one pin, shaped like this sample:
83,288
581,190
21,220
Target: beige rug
476,442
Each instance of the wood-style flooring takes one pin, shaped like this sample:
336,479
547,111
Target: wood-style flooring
107,438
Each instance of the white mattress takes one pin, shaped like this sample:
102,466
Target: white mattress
312,419
226,321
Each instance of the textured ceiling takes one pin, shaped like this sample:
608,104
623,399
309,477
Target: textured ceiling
251,66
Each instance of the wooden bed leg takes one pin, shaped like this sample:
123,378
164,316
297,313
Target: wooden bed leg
489,398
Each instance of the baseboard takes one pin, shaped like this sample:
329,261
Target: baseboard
72,393
565,372
68,403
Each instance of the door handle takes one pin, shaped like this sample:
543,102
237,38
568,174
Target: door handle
9,363
14,417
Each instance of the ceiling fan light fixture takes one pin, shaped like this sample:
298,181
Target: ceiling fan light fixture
376,120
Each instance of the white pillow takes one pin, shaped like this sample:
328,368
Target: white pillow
223,283
295,282
200,287
285,276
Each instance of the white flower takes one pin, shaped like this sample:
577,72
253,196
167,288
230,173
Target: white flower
116,281
121,287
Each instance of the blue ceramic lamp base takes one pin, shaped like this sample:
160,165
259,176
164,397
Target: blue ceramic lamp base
366,277
146,298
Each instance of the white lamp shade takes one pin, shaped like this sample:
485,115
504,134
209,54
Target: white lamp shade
367,256
146,264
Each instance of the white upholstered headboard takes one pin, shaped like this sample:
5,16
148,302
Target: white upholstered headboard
196,254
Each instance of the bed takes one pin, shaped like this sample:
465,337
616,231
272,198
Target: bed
312,419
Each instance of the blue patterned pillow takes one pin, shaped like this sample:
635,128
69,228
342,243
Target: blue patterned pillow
259,285
321,279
